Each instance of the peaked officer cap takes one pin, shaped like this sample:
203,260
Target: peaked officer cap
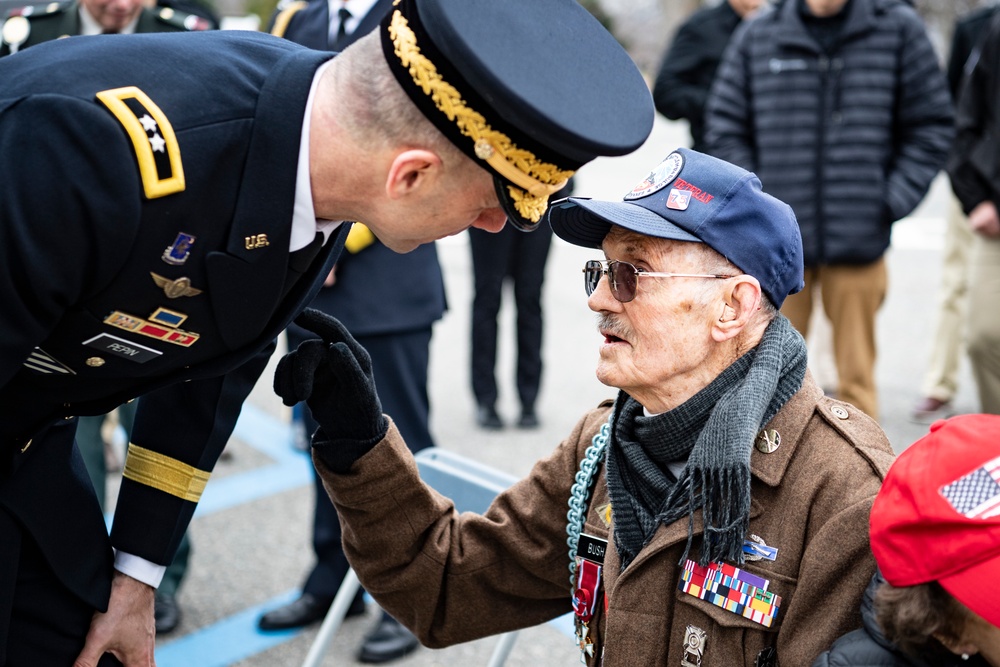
531,90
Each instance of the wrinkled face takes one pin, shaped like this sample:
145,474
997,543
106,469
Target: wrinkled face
468,200
113,14
655,346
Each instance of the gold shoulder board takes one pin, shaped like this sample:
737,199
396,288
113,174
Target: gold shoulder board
152,137
282,20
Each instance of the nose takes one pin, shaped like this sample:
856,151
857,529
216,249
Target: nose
491,220
601,299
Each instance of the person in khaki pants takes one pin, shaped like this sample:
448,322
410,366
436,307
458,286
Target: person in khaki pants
842,110
974,169
941,378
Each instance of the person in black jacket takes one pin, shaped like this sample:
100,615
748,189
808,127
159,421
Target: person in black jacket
974,168
689,65
935,533
842,109
201,202
941,379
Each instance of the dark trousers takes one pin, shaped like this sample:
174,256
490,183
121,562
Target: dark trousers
399,363
521,257
42,622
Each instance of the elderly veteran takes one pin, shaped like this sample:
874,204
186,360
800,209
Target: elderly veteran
201,203
718,507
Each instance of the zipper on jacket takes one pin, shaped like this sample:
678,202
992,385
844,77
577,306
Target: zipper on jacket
823,66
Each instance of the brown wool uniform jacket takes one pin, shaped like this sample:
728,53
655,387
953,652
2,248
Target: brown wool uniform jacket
452,578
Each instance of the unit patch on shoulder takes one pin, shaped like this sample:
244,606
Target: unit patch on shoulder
152,137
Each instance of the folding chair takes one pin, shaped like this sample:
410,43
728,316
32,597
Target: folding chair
472,487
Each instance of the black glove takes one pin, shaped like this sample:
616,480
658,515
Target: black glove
334,377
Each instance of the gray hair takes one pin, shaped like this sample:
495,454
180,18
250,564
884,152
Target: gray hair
376,110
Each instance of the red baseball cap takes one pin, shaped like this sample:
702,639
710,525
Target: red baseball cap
937,516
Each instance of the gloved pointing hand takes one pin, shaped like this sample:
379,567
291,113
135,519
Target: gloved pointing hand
334,377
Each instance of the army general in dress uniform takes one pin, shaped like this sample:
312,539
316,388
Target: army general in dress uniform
163,218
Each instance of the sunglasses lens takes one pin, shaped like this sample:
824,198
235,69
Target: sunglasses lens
592,272
623,280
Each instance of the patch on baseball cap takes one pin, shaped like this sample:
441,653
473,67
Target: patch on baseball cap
662,176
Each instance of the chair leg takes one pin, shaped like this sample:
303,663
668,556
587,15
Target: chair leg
334,618
503,649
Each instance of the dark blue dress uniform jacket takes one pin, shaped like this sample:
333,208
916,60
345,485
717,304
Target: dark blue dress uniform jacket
80,239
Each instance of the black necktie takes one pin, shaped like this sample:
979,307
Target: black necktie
345,16
299,261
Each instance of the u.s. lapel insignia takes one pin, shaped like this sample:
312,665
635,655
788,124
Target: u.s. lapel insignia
255,241
768,441
154,329
694,646
178,251
175,288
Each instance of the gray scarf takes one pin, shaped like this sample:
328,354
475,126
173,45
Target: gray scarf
714,430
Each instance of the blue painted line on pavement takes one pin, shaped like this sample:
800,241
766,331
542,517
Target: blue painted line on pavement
230,640
237,637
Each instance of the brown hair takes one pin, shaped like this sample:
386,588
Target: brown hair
911,615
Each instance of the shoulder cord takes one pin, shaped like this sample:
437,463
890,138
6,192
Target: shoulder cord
580,492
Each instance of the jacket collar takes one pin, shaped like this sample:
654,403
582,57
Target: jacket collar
860,19
247,279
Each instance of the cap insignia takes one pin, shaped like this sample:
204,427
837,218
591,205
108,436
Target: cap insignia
662,176
521,167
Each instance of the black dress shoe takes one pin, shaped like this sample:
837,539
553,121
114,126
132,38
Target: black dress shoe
487,417
528,419
387,641
306,610
166,614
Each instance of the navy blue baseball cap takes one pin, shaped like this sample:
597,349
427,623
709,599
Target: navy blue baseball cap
531,90
694,197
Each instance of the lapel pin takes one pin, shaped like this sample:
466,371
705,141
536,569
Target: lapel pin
255,241
175,288
768,441
178,251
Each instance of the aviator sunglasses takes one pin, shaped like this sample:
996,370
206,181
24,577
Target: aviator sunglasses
624,277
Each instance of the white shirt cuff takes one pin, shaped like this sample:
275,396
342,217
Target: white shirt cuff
139,568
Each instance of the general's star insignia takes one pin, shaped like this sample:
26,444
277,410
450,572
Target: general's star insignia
175,288
157,142
148,123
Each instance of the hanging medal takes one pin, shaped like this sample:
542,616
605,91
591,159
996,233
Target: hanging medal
585,597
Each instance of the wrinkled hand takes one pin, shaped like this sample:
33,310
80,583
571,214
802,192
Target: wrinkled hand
333,375
126,630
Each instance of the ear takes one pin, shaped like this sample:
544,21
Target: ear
957,646
412,170
741,299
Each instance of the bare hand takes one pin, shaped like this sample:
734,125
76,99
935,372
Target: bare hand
127,630
984,219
